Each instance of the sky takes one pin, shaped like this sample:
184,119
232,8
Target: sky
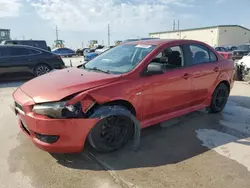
79,21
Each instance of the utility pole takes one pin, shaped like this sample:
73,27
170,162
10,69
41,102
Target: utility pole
178,25
82,44
108,35
56,33
174,26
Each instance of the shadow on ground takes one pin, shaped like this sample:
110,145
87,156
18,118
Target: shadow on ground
171,142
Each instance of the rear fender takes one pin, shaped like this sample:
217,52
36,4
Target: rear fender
221,78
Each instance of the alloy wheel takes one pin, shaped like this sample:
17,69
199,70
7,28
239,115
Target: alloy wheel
42,69
114,129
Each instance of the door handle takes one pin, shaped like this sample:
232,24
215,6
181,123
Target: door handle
186,76
216,69
29,59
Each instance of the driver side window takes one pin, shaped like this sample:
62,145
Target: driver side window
171,57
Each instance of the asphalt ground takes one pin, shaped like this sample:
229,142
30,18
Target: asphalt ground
195,150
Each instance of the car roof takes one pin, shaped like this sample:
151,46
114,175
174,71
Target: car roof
160,41
22,46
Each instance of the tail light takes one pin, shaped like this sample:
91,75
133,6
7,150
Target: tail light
59,57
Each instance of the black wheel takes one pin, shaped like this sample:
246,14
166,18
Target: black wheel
42,69
219,99
111,133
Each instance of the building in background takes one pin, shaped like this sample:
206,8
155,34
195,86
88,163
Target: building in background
221,35
4,34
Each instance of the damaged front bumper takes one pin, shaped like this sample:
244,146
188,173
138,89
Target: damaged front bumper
56,135
52,135
61,135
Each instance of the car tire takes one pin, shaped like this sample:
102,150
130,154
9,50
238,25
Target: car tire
219,98
112,132
41,69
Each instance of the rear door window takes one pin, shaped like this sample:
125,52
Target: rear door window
34,52
201,54
19,51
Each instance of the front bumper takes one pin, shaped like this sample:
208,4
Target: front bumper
72,133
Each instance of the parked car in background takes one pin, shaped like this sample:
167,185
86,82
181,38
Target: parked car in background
64,52
241,51
91,55
224,52
79,52
18,61
99,51
86,51
35,43
245,61
231,48
148,81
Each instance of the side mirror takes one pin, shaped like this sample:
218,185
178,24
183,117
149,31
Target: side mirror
155,68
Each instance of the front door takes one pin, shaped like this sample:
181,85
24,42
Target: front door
171,91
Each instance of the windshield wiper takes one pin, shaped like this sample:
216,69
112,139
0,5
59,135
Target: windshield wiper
99,70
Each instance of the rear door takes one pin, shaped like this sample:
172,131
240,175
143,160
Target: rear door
205,70
23,61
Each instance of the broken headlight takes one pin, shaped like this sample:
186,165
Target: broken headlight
58,110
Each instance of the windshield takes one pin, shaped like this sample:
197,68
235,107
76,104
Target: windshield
120,59
244,47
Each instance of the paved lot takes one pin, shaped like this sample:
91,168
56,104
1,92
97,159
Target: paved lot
197,150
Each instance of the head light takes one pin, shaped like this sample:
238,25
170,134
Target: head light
58,110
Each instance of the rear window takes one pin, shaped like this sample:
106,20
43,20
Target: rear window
38,44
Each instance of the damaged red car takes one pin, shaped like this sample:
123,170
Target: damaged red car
131,86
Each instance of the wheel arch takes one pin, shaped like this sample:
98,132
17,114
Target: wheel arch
122,102
226,83
221,82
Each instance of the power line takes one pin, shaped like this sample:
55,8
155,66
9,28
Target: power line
56,33
178,25
108,35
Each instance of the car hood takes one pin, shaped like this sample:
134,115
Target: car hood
59,84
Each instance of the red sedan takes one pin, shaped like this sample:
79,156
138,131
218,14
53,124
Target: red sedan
148,81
